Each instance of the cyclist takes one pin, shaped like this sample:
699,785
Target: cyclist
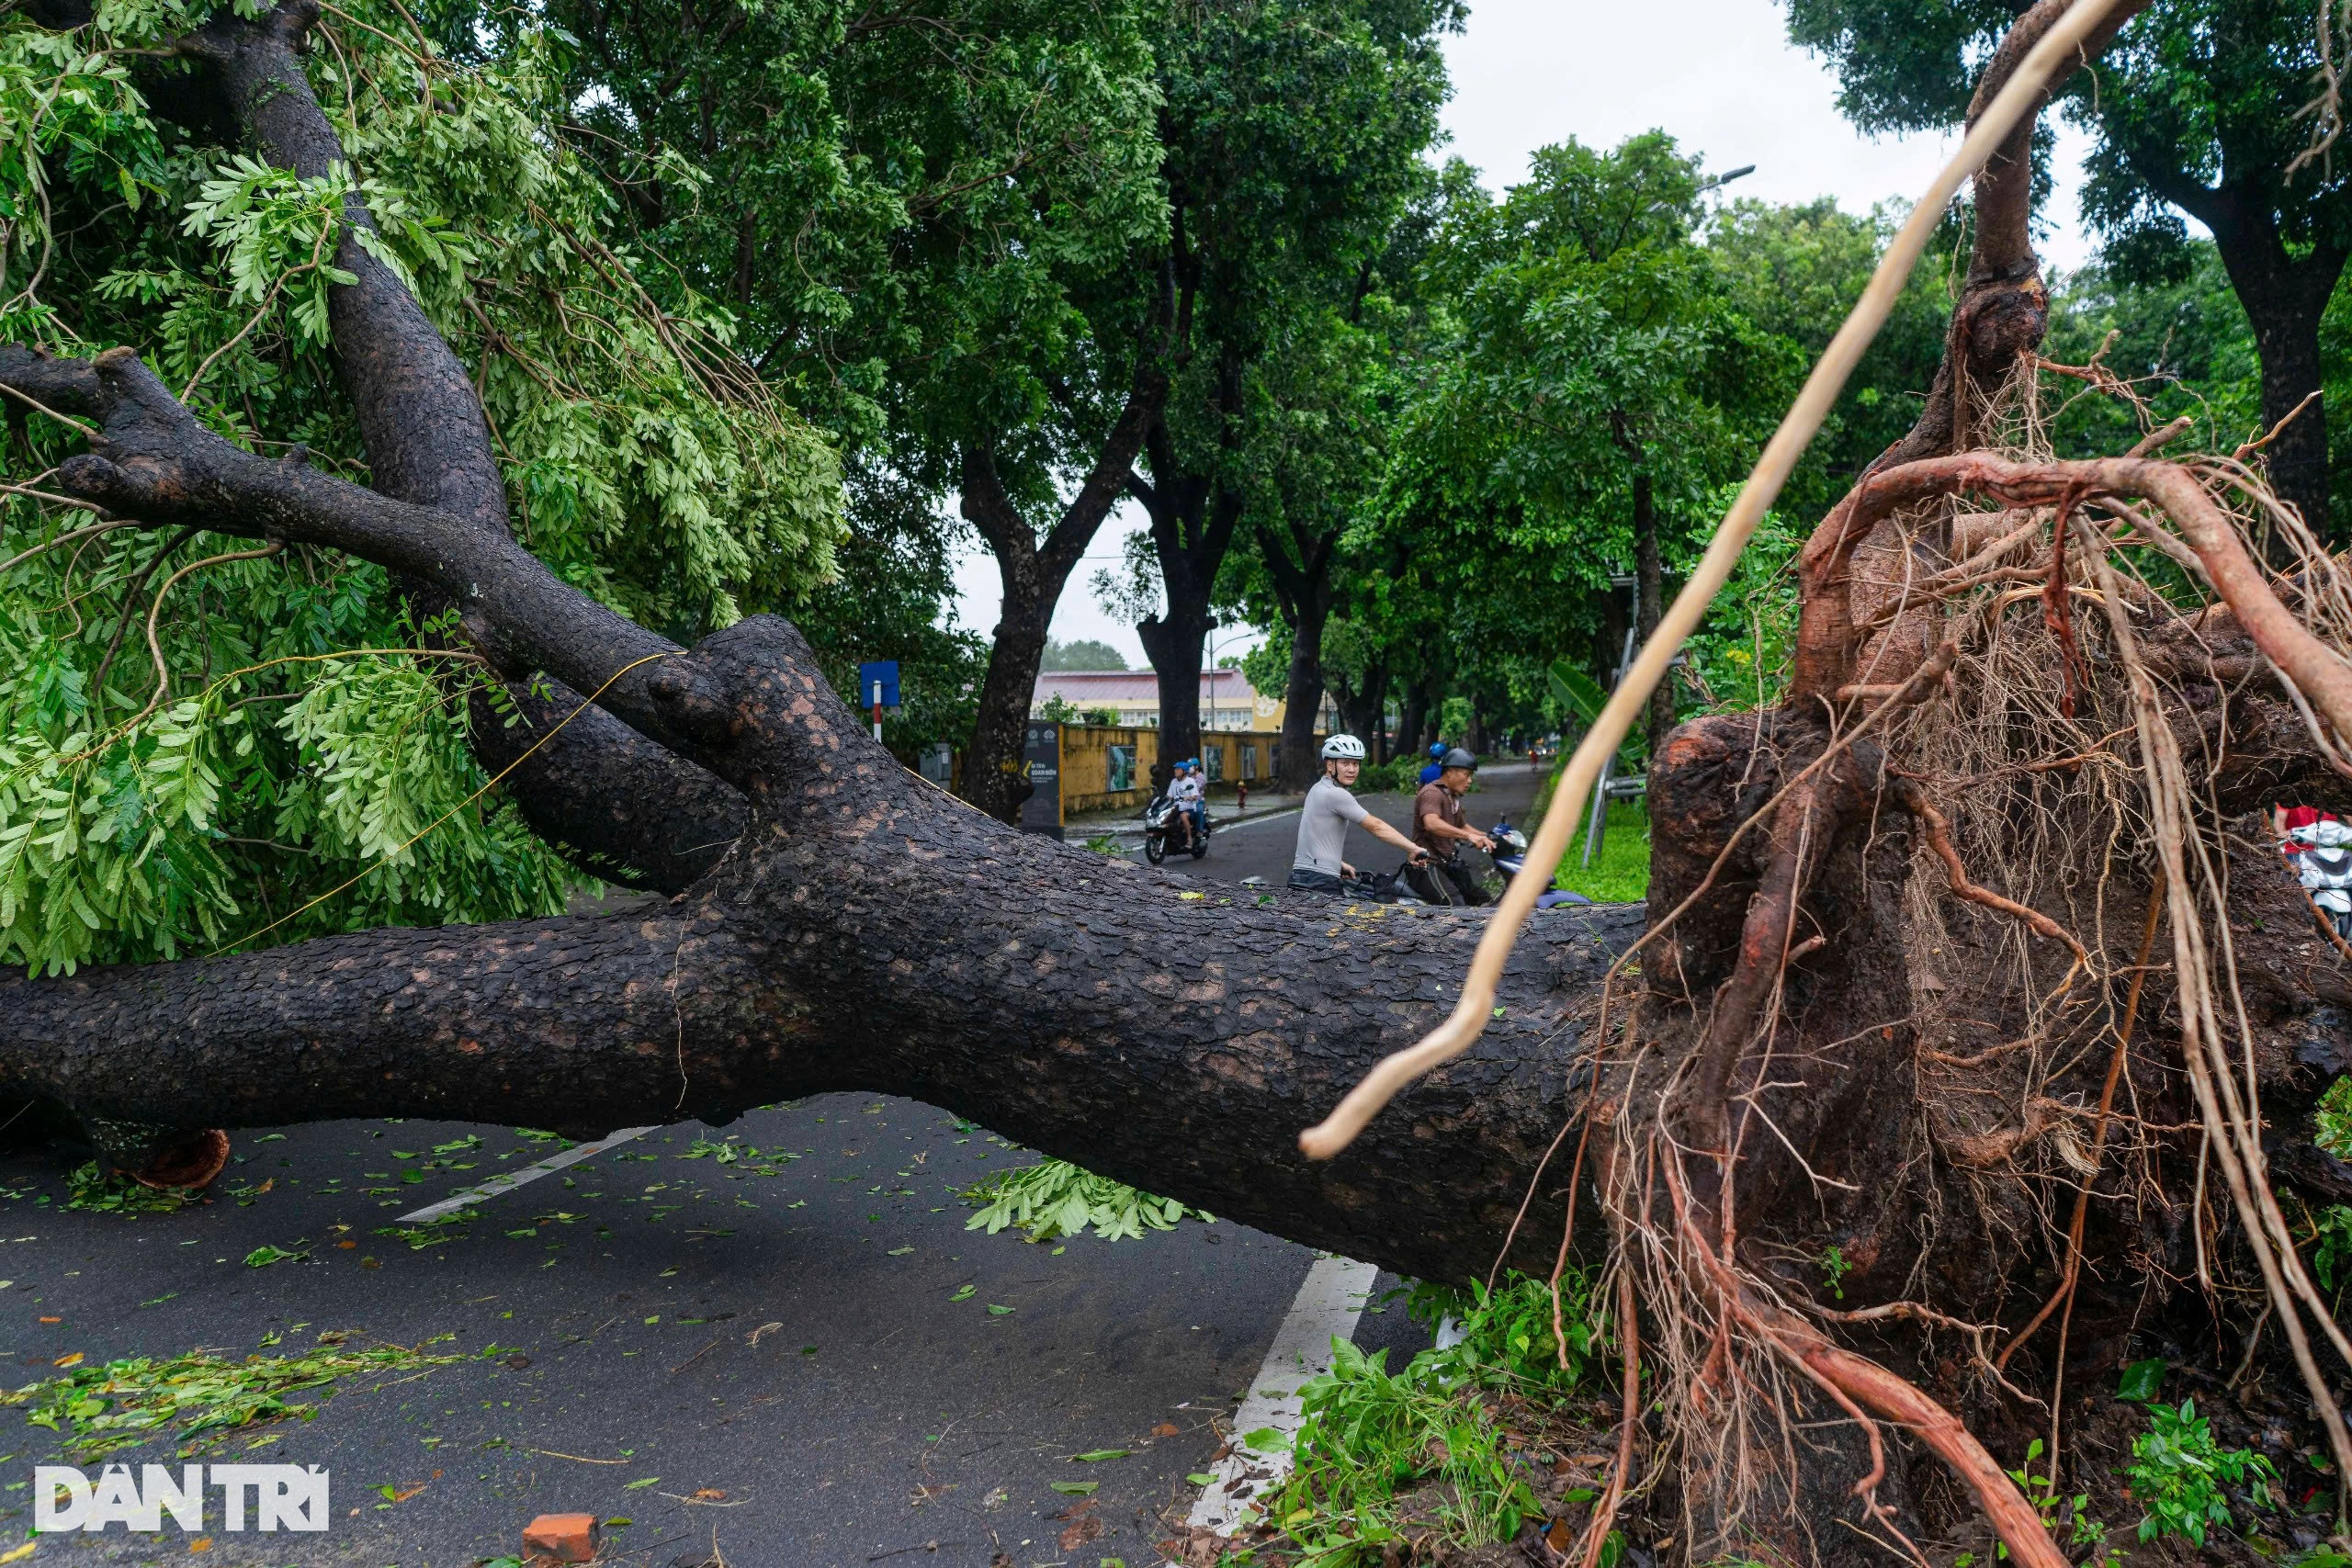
1316,866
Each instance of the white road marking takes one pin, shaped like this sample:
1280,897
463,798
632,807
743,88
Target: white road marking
1326,1308
1265,816
497,1185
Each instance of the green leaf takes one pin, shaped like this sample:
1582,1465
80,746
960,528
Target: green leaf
1201,1478
996,1311
1075,1488
964,1293
1095,1456
1576,692
2142,1380
633,1486
263,1256
1266,1440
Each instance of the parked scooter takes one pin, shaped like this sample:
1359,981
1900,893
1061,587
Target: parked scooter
1160,830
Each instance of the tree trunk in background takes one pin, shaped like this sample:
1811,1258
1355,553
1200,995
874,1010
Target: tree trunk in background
1192,518
2285,306
1408,720
1649,589
2284,293
1296,762
1173,643
1362,709
996,773
1033,571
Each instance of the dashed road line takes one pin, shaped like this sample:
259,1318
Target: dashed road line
498,1185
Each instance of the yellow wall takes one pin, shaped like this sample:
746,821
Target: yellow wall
1086,767
1086,764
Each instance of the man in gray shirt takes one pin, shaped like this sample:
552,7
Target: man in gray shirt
1323,823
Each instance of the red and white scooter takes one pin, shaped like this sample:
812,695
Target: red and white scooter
2320,851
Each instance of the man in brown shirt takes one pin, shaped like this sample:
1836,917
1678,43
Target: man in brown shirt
1440,827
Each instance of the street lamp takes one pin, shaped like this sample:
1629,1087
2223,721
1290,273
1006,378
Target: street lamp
1214,643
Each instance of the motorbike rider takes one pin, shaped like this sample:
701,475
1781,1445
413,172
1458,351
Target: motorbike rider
1440,827
1433,767
1317,865
1185,789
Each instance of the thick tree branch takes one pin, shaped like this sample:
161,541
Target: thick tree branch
592,785
2003,189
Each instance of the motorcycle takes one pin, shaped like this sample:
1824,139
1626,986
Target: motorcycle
1510,858
2320,854
1160,830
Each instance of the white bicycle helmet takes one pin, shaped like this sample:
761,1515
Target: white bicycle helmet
1343,749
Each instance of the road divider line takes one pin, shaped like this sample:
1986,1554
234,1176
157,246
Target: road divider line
499,1185
1328,1306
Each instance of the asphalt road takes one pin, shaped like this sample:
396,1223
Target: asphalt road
1261,846
797,1358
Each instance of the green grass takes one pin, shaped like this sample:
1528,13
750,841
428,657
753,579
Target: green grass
1382,1456
1620,874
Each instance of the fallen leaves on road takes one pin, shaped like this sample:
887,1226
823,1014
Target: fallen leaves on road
120,1404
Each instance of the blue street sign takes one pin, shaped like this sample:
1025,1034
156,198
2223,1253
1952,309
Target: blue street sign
877,682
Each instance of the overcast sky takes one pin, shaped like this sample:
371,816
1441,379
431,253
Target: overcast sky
1718,74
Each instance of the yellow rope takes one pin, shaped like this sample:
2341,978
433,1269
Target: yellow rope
489,785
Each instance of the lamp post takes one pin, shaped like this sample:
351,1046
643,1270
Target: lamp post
1214,643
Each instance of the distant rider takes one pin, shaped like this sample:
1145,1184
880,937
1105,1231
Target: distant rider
1440,827
1184,789
1196,803
1323,822
1434,766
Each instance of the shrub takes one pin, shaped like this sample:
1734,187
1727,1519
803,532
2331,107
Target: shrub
2177,1472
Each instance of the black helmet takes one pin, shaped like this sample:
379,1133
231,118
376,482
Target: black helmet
1458,757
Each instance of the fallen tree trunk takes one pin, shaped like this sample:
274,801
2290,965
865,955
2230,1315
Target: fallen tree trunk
883,936
1827,1097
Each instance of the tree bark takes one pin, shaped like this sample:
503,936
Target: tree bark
1296,764
1408,720
1193,515
1298,561
1193,519
2284,292
1105,1011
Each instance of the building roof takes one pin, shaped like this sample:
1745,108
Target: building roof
1134,686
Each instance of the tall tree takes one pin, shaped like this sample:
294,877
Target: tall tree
1583,387
943,229
1294,134
2192,112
